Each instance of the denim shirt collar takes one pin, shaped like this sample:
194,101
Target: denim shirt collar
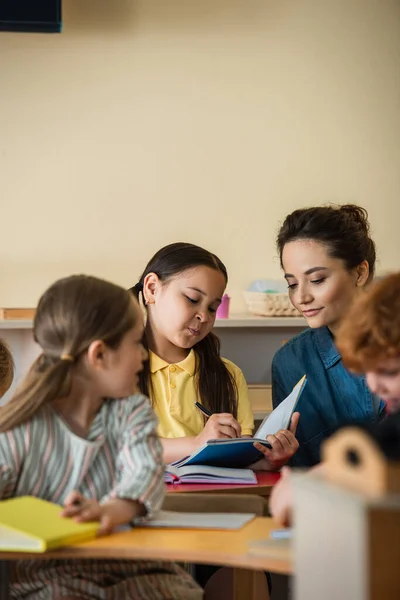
326,347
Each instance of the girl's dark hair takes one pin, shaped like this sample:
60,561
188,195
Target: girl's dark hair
71,314
344,230
216,386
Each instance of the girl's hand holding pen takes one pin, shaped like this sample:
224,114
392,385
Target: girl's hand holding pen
218,426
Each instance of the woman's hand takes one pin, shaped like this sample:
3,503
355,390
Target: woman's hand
219,426
283,446
281,499
110,514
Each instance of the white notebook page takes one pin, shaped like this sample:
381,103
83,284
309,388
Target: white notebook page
281,416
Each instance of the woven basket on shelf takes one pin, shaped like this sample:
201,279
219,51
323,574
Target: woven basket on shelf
269,304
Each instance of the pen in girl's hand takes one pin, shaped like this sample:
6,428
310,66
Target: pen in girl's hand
202,409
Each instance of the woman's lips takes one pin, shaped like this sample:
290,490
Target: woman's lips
311,312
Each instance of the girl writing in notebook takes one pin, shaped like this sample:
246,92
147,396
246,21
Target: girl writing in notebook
328,258
369,341
76,433
181,288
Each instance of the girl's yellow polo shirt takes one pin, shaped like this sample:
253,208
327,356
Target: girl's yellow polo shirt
174,388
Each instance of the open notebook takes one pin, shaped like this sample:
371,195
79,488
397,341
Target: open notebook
207,474
240,452
29,524
280,417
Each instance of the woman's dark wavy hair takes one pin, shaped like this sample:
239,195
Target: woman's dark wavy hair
217,388
344,230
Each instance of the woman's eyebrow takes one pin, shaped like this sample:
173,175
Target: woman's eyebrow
308,272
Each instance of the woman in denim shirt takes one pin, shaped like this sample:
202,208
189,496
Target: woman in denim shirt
369,338
328,257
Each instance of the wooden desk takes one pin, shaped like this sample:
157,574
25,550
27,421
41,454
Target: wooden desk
227,548
266,482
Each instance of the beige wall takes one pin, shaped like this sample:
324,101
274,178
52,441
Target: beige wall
152,121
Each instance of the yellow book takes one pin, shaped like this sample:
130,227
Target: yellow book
29,524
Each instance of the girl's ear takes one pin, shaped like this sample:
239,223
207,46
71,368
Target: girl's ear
96,354
362,272
151,284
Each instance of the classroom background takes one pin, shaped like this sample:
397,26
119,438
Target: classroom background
151,121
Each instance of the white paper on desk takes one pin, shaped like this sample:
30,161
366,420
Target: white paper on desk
280,418
186,520
271,548
282,534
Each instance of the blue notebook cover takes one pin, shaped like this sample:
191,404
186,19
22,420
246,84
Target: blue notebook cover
238,453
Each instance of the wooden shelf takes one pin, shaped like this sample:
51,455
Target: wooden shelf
260,396
247,320
239,320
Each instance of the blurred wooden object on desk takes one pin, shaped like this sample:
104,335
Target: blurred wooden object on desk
347,521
